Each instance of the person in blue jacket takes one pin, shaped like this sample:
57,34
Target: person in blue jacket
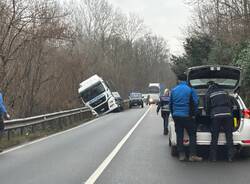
165,110
3,111
3,115
181,98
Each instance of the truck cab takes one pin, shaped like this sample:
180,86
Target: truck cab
96,95
154,93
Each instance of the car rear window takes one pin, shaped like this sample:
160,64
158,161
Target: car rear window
225,83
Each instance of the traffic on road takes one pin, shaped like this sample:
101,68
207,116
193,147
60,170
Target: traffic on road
96,152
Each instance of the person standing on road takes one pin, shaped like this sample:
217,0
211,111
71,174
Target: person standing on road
147,101
3,115
165,111
181,97
219,108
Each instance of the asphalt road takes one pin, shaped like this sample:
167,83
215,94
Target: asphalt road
73,156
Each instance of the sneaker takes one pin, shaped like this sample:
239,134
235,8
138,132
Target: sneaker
182,157
229,159
195,158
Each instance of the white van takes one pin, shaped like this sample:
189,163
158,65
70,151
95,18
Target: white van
96,95
228,78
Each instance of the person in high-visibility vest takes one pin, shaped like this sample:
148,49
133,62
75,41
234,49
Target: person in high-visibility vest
165,110
220,109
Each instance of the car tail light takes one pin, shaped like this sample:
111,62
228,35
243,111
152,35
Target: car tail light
246,113
246,141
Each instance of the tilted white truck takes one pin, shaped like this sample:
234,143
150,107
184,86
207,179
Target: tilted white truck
96,95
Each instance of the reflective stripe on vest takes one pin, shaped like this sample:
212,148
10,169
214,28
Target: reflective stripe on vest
165,108
217,93
222,114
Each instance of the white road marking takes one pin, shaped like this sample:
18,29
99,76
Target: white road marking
92,179
50,136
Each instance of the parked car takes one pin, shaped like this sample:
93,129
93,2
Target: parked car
119,100
229,79
135,99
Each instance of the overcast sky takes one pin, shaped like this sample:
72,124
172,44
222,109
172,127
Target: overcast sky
165,18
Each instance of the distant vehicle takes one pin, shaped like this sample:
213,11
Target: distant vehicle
154,90
228,78
118,100
144,96
96,95
135,99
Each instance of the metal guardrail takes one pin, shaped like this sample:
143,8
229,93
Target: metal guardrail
42,117
58,118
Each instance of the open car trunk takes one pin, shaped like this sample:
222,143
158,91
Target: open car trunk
204,122
227,77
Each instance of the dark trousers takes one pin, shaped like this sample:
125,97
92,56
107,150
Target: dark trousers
1,130
187,123
227,123
165,115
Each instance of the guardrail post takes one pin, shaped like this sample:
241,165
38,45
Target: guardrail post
32,128
8,134
21,130
43,126
59,124
79,116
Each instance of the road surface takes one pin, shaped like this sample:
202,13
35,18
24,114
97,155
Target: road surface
119,148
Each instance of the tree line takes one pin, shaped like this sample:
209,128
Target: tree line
47,48
219,33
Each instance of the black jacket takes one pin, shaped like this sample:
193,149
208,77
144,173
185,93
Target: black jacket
163,104
218,102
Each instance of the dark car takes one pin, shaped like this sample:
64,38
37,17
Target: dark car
118,100
135,99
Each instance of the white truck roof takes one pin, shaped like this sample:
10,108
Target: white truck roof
154,84
89,82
